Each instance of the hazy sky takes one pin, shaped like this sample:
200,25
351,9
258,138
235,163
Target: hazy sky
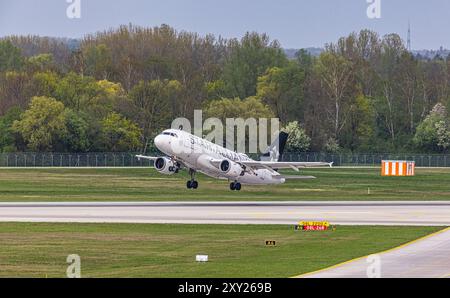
295,23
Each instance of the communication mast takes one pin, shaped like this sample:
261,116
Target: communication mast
408,44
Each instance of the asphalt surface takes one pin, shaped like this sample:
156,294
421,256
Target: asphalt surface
428,257
342,213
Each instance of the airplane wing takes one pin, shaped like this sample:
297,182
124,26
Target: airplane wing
272,165
153,158
139,157
275,165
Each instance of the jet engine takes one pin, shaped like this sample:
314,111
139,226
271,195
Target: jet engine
165,166
231,169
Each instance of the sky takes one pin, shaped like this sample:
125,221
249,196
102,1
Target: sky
295,23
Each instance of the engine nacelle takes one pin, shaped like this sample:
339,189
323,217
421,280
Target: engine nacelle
165,166
231,169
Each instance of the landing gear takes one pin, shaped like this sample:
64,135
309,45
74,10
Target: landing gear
235,186
174,169
192,184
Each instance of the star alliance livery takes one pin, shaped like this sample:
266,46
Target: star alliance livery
186,151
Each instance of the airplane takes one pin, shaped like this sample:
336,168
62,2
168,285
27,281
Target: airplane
186,151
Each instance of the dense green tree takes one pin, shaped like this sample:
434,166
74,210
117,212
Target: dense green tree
43,84
42,63
251,107
154,103
363,93
14,90
120,134
249,59
283,90
77,137
215,90
10,57
77,92
358,134
43,125
7,135
99,61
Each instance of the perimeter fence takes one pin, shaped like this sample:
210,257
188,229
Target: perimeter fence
128,159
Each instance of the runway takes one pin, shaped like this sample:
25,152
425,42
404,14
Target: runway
425,258
341,213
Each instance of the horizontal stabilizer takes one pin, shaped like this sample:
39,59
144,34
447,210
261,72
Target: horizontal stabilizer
299,177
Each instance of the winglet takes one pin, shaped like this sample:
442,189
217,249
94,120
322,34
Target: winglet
331,164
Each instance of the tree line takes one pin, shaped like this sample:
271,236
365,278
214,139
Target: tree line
117,89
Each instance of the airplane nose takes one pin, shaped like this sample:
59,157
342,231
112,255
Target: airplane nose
159,141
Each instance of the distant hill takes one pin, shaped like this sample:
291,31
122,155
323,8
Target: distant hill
73,44
421,54
290,53
431,54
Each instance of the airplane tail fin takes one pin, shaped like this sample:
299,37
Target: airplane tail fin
275,151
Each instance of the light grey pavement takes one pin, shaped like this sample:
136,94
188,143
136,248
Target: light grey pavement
343,213
428,257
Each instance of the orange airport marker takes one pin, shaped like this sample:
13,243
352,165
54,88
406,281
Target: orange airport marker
397,168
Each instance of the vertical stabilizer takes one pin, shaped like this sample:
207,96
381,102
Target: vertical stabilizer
275,151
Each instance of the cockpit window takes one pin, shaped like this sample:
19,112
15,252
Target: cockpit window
170,134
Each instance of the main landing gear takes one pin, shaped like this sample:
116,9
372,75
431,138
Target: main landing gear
192,184
235,186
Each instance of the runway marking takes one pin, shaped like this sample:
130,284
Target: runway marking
380,253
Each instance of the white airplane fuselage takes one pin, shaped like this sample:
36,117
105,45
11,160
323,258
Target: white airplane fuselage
197,154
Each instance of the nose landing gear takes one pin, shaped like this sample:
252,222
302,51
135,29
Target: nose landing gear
235,186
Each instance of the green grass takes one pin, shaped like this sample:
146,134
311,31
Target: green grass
140,250
146,184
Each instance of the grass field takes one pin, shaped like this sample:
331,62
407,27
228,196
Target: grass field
147,185
126,250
